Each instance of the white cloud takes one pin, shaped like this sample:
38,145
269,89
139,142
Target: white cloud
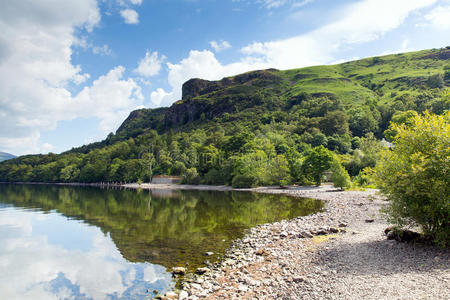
36,72
130,16
219,46
199,64
358,23
46,147
34,261
133,2
439,18
103,50
150,65
110,98
270,4
361,22
157,97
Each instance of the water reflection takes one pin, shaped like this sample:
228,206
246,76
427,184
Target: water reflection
43,256
48,250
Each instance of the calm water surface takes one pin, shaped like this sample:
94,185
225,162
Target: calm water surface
89,243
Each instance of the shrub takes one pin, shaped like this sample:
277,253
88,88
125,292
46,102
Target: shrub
415,175
436,81
244,181
191,176
339,176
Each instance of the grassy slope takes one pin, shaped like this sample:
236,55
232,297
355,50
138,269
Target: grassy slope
371,80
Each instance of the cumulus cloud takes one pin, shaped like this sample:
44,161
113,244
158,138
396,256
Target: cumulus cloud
219,46
157,97
271,4
126,2
150,65
103,50
130,16
34,261
361,22
110,98
199,64
36,72
358,23
438,18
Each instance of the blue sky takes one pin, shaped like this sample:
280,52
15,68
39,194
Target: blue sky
71,71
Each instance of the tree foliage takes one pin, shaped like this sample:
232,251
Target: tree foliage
415,175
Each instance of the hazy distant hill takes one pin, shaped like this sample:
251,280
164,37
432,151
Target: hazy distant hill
6,156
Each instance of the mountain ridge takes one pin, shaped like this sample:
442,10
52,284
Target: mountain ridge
339,107
5,156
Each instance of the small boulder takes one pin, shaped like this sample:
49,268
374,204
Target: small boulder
171,295
298,279
306,234
178,270
391,235
209,253
403,235
201,271
389,228
261,252
333,230
183,295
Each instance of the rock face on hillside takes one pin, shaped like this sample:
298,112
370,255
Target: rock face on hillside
442,54
197,87
192,107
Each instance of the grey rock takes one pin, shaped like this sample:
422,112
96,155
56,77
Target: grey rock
183,295
243,288
299,279
179,270
201,271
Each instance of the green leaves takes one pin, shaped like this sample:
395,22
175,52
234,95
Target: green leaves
415,175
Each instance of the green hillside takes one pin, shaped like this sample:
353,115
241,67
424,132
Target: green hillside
258,127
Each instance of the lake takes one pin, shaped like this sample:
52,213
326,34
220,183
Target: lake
60,242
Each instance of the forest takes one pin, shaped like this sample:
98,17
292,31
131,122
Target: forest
266,127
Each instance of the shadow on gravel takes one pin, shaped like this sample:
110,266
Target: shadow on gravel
384,257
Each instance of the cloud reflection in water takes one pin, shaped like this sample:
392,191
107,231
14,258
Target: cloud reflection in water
47,256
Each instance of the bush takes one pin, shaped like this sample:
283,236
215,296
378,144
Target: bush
244,181
415,176
214,176
339,176
191,176
436,81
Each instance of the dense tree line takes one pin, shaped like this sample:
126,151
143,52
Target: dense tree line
295,146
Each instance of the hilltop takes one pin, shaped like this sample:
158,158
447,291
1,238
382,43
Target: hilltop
219,130
5,156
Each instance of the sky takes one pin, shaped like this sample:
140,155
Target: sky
71,71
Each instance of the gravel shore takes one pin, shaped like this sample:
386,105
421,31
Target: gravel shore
339,253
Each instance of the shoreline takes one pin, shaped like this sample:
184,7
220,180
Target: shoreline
338,253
